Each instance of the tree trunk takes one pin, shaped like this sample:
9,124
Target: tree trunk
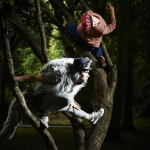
42,31
128,113
123,64
99,131
19,96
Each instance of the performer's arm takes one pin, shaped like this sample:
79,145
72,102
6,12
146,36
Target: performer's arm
110,27
111,9
29,78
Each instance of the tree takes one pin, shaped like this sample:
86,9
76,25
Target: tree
123,95
18,18
132,19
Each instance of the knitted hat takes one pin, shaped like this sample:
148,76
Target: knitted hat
82,63
86,21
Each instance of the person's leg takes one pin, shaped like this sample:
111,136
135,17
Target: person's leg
77,112
101,59
51,103
61,103
93,118
97,52
71,29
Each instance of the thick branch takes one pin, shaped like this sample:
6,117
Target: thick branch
106,53
42,31
19,96
84,4
78,130
64,10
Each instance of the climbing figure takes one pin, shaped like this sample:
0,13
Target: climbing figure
89,32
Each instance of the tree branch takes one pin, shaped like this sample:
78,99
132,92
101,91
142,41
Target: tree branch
78,130
19,96
41,29
84,4
30,40
64,10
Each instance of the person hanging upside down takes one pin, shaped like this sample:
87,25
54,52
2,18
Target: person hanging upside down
90,30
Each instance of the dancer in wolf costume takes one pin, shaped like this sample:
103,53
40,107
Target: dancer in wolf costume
60,80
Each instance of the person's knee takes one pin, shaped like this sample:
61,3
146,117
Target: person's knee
55,102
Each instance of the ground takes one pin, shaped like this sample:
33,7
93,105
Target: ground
26,138
139,140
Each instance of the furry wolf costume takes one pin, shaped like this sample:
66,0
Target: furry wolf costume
59,84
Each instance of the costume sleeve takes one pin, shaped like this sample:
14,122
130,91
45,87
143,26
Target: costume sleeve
110,27
102,27
52,77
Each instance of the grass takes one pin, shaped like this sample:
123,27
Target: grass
59,119
29,138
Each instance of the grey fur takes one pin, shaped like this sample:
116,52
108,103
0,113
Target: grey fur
60,67
12,121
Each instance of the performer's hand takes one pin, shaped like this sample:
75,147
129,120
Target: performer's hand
74,105
110,7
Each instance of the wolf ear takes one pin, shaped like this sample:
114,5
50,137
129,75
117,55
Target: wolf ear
87,65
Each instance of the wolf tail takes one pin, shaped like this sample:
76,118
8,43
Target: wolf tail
12,121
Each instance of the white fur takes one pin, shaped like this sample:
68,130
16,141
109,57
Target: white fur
67,83
12,121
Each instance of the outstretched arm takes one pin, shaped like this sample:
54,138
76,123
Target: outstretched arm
111,9
29,78
110,27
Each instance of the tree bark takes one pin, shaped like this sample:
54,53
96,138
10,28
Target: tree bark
106,95
19,96
42,31
123,92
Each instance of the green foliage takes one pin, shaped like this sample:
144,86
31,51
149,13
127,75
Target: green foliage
28,63
55,48
8,96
